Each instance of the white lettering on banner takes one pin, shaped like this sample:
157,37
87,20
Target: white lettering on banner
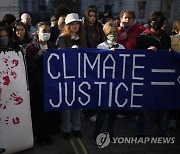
110,94
102,69
116,98
79,65
100,91
117,94
88,96
49,66
60,98
66,94
109,67
136,67
87,62
97,60
124,63
134,94
64,68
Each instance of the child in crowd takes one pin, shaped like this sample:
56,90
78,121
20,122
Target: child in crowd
110,30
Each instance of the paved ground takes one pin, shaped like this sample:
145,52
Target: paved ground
124,128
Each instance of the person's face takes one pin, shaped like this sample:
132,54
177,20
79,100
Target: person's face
20,31
92,17
53,23
112,31
61,20
74,27
117,22
4,40
26,20
43,30
127,19
156,25
3,34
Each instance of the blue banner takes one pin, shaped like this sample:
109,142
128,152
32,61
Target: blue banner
117,80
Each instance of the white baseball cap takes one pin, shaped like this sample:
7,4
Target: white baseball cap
71,18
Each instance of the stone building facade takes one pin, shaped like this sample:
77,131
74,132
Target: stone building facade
142,8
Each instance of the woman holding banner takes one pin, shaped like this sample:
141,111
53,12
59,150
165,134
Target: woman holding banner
110,43
173,115
152,39
72,37
43,122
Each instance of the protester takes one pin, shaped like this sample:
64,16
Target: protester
107,17
110,43
110,30
53,21
92,28
72,37
20,35
127,33
93,35
9,21
129,29
176,27
60,14
117,21
26,19
44,123
5,43
154,38
173,115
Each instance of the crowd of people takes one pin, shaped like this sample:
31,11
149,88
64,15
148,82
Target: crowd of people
67,30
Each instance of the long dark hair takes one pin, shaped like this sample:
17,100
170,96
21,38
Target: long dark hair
26,36
86,16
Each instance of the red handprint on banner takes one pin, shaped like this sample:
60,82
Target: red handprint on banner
15,63
9,121
11,63
13,73
2,106
5,78
18,100
6,60
16,120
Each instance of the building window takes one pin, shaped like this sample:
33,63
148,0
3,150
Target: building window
25,5
166,7
141,9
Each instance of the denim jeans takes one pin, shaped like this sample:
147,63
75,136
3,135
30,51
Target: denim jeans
66,120
100,121
162,122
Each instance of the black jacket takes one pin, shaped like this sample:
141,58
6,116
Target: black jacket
147,39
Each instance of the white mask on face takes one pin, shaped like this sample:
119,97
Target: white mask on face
44,36
111,37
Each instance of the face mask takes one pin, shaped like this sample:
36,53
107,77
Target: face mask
4,41
111,37
157,25
44,36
